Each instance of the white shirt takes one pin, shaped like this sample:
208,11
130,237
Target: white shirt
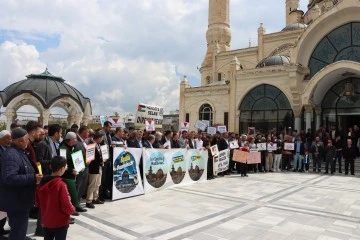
199,143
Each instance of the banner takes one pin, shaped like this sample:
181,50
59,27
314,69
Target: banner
165,168
102,120
127,181
223,161
149,112
184,126
149,125
271,147
251,131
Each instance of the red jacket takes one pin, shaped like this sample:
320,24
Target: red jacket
53,198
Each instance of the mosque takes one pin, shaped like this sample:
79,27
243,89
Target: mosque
305,76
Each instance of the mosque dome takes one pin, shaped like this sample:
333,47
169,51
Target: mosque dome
46,87
294,26
274,61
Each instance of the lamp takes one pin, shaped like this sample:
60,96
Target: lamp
349,89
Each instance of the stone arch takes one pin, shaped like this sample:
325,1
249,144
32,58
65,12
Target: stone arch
25,99
196,106
281,88
345,12
317,87
280,49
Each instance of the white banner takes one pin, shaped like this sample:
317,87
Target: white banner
165,168
223,161
200,125
127,181
211,130
148,112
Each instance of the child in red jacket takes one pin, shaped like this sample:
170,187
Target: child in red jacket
53,198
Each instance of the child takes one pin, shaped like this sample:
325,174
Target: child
53,198
307,161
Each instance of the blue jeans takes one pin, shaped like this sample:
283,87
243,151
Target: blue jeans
297,162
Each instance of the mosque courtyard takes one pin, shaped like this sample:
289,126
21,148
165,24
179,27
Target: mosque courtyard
262,206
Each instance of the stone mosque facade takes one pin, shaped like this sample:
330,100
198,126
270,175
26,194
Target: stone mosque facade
305,76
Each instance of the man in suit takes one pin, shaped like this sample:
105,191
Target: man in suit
148,143
349,154
107,174
192,142
299,151
82,178
5,142
17,184
166,140
317,150
137,143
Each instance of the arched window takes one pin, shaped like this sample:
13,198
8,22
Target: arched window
266,108
343,43
206,113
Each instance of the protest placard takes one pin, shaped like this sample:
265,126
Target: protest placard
150,125
254,157
240,156
251,131
184,126
200,125
211,130
261,146
271,147
78,160
104,152
289,146
90,152
234,144
222,129
214,150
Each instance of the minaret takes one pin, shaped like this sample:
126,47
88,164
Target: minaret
291,5
218,37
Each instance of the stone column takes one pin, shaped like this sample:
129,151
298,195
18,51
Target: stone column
318,117
45,117
78,119
234,66
70,120
85,120
297,119
10,117
308,112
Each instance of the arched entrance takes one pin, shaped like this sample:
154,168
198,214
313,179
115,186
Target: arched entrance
341,104
267,109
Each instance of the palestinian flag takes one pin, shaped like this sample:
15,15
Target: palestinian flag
115,119
141,108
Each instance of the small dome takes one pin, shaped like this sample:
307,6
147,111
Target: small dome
45,87
273,61
295,26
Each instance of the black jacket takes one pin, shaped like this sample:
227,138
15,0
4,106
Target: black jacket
97,163
69,150
44,155
349,153
222,144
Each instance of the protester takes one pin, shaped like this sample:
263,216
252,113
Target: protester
54,201
317,150
330,154
5,142
95,172
349,153
17,184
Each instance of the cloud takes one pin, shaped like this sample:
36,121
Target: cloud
120,54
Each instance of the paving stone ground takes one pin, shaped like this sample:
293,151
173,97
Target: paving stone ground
262,206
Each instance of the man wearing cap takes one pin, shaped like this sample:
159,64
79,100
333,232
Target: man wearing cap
67,148
17,184
5,142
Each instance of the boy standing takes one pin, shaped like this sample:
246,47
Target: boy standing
55,216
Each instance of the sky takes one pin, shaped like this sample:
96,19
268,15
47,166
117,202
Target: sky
120,53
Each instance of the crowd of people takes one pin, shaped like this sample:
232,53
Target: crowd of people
38,176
